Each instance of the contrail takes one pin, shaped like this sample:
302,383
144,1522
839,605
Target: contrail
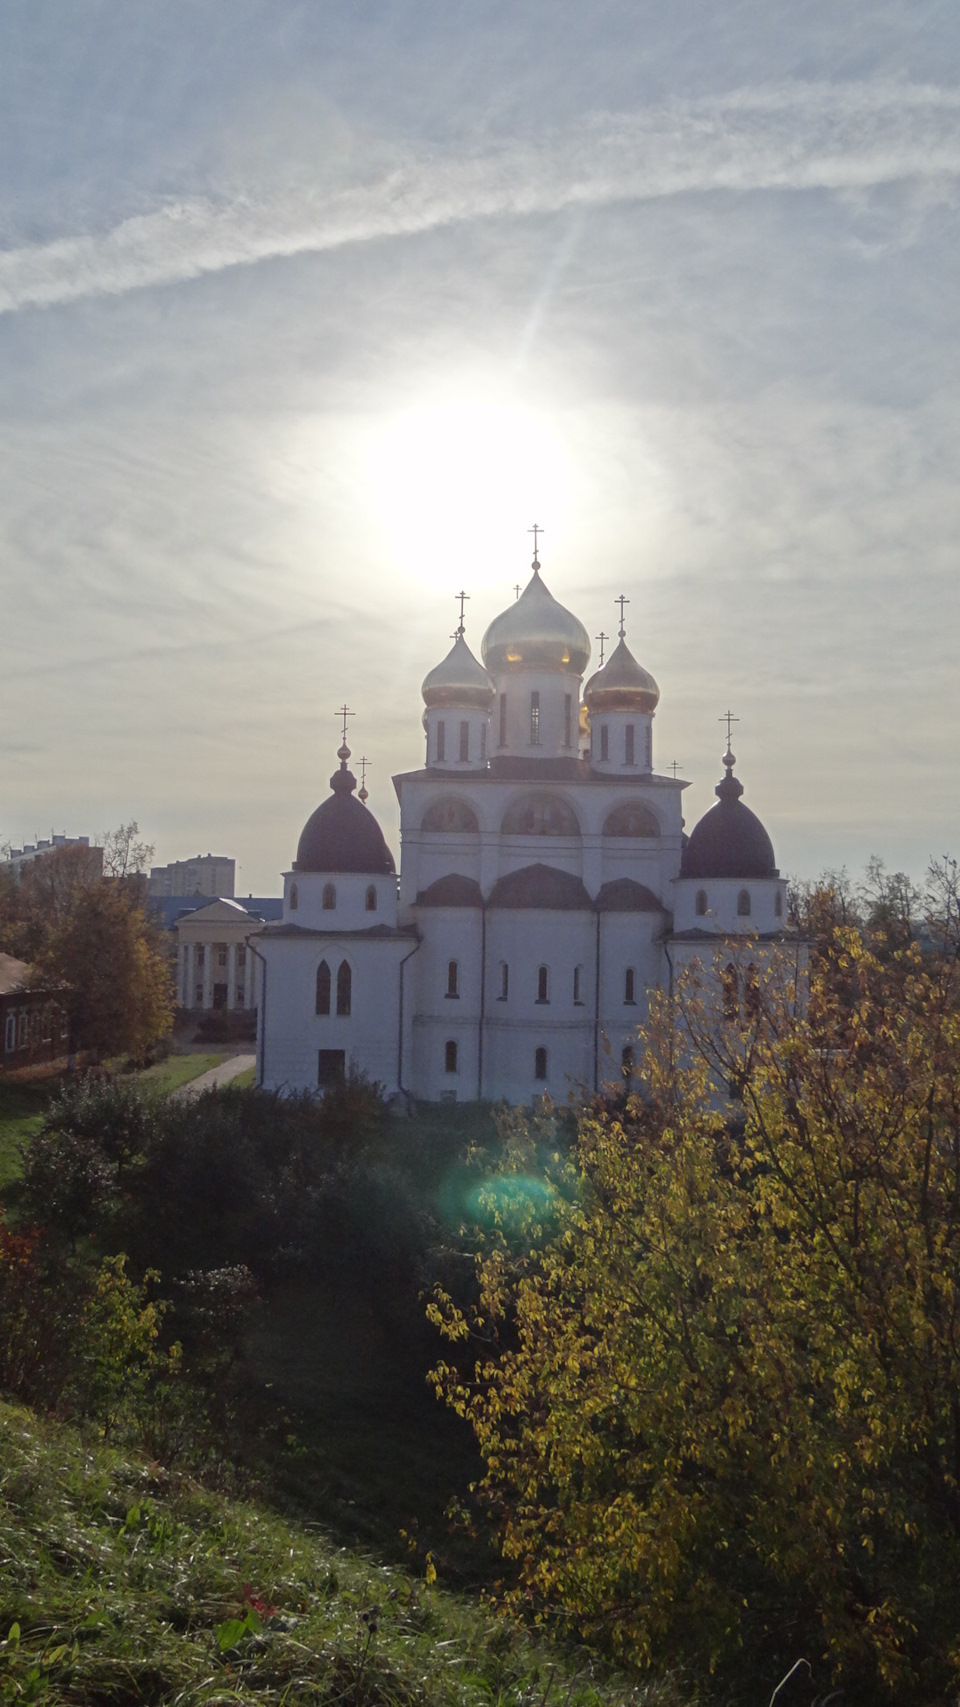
795,137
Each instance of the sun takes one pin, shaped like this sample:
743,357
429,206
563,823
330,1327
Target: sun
456,484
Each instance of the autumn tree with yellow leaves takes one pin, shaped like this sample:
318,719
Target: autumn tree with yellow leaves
716,1386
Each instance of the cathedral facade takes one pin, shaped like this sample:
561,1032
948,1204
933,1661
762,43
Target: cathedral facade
546,888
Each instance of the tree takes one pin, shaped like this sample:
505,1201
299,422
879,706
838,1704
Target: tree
719,1401
105,965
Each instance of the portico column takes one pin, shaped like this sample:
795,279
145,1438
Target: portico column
208,974
232,976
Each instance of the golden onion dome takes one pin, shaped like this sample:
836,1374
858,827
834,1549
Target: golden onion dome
621,685
459,681
536,633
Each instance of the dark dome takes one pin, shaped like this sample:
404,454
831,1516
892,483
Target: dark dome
541,886
341,835
729,840
626,895
451,891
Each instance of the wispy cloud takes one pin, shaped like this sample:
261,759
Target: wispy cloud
835,137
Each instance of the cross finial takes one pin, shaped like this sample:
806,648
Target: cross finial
517,589
363,792
729,719
674,766
535,530
343,752
463,597
621,601
601,637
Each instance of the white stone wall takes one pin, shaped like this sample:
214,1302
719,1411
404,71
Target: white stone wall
291,1031
722,896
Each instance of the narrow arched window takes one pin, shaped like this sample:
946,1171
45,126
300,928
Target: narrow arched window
604,741
778,904
344,987
504,981
329,897
578,986
441,741
450,1056
743,904
323,988
540,1064
730,992
626,1060
701,903
628,745
464,742
543,985
453,979
371,898
294,898
629,986
535,719
751,990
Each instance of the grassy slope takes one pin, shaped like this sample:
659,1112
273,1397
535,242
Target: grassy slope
119,1578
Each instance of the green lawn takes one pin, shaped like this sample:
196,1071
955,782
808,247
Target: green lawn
178,1070
22,1106
23,1101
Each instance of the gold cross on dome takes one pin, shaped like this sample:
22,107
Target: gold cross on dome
463,597
364,793
621,601
343,714
601,637
535,530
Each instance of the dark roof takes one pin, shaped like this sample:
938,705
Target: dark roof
13,973
341,835
541,886
625,895
451,891
729,840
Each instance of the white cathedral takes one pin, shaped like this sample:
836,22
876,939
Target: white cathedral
546,885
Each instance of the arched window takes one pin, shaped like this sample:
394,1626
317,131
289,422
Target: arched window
441,741
743,904
453,979
543,984
540,815
730,992
633,818
629,986
540,1064
604,741
701,903
323,988
453,815
371,902
535,719
578,986
344,987
450,1056
778,904
464,742
628,745
329,897
626,1060
10,1041
294,898
504,981
751,990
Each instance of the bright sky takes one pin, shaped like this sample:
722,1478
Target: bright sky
308,312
